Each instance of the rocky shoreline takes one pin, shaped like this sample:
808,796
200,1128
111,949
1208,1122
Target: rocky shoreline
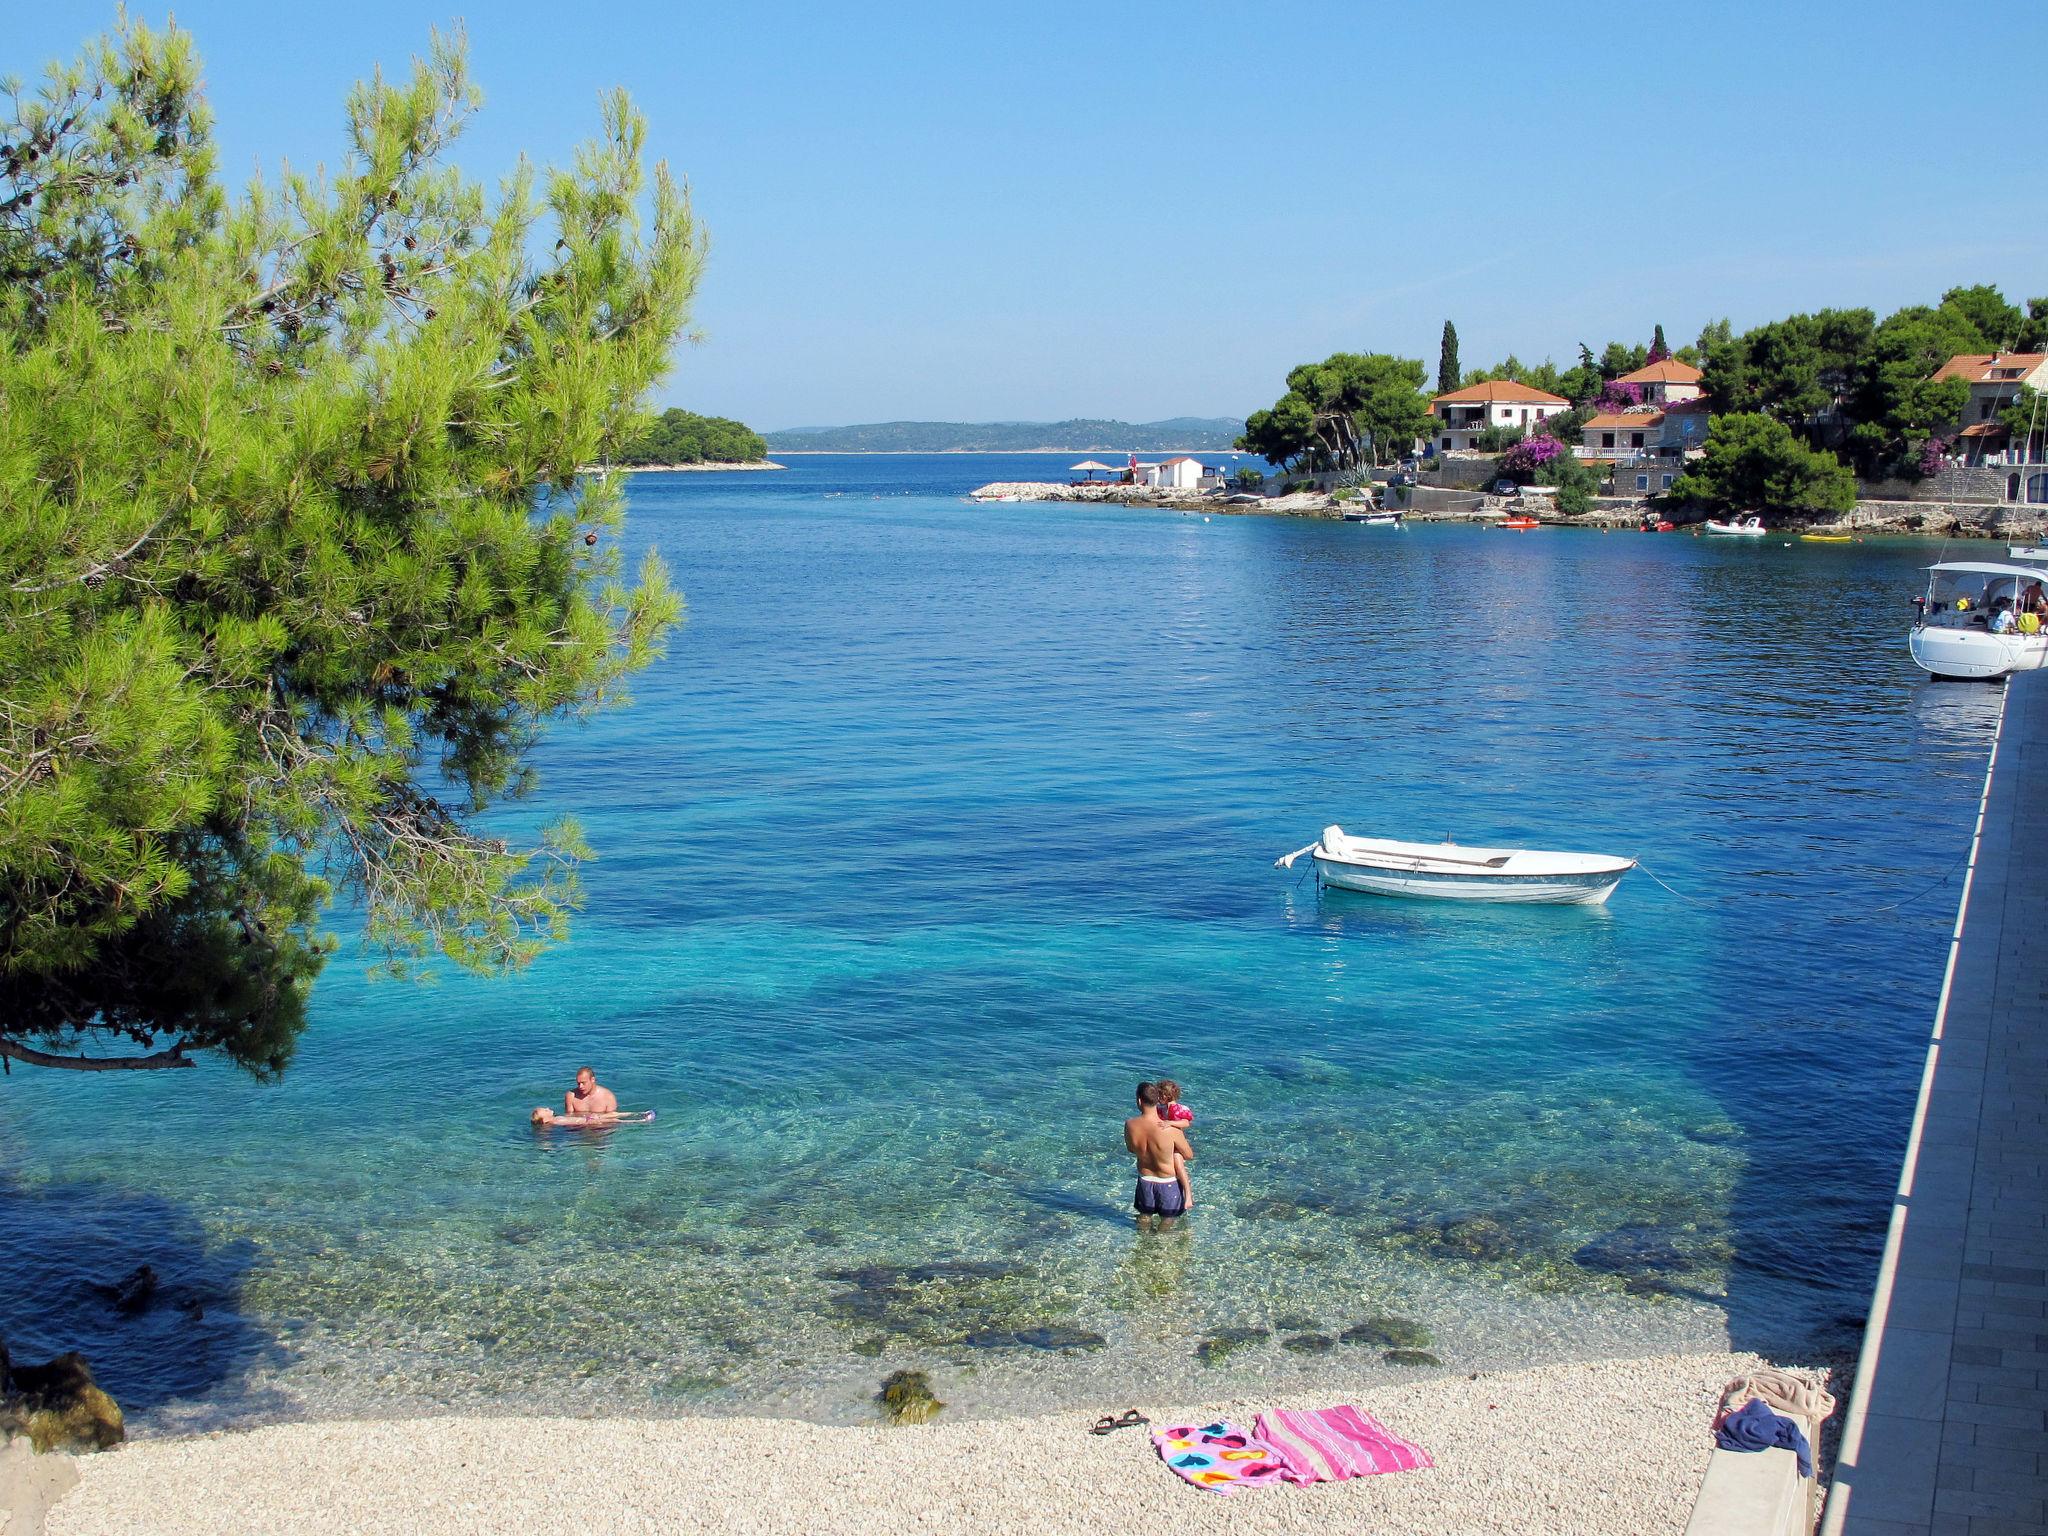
1916,519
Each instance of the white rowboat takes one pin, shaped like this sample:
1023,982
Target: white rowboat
1386,867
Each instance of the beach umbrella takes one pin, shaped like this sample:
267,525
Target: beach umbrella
1091,467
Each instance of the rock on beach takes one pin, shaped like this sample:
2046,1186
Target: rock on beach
1612,1448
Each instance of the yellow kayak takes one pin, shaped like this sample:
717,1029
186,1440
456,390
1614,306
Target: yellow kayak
1827,538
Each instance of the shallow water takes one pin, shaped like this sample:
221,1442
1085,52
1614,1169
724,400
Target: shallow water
942,825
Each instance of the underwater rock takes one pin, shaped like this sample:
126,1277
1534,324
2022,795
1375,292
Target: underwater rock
1640,1248
1048,1338
134,1291
1389,1332
1309,1343
1225,1342
1476,1237
869,1349
907,1398
1410,1357
1297,1324
58,1405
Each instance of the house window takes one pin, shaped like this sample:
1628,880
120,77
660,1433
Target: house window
1635,439
2037,488
1984,410
1447,442
1642,482
1667,483
1606,439
2012,487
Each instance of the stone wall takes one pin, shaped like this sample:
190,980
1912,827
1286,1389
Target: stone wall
1979,483
1463,473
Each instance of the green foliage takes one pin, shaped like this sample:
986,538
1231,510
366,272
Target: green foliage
1576,482
1250,479
1983,308
1620,358
1447,360
1348,411
1896,402
1753,462
682,437
1496,438
293,560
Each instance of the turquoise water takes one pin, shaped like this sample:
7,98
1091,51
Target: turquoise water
942,825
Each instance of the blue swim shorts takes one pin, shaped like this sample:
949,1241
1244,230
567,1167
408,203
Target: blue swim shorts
1157,1197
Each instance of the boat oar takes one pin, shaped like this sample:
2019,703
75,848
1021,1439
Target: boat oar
1288,862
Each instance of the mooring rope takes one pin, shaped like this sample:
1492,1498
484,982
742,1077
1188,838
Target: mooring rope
1942,879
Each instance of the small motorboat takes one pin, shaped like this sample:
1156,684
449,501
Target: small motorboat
1981,621
1751,527
1521,520
1374,519
1387,867
2027,551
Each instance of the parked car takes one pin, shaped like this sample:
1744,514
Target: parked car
1507,488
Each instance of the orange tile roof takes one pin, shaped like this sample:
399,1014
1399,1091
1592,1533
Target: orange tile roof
1982,429
1498,389
1976,366
1665,371
1632,420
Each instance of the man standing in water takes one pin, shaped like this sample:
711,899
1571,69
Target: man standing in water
1155,1143
586,1102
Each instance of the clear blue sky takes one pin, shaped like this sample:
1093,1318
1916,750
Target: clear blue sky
977,212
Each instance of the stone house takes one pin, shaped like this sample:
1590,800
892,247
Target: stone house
1995,380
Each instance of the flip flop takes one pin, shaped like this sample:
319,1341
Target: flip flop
1108,1423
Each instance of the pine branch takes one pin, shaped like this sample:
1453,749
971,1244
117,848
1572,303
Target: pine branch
157,1061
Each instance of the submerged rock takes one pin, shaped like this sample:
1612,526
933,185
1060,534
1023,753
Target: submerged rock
907,1398
1410,1357
1271,1208
1049,1338
58,1405
1225,1342
1388,1332
1640,1248
1309,1343
1297,1324
134,1291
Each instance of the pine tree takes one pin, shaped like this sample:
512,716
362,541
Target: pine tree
1447,375
295,562
1658,351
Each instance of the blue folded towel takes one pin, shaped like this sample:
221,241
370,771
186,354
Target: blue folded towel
1754,1427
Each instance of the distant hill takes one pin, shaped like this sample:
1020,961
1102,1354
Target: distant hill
1081,435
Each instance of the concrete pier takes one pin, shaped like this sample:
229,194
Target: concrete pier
1947,1430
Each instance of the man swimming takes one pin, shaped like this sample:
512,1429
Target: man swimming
588,1103
1155,1143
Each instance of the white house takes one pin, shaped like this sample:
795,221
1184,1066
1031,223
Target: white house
1462,414
1664,381
1181,474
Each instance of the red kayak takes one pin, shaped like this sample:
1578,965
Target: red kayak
1519,522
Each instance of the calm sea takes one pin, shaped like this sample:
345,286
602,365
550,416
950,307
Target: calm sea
942,825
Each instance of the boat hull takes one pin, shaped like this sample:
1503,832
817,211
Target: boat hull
1974,655
1589,888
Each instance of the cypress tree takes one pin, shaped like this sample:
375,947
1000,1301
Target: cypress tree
1447,374
295,560
1658,351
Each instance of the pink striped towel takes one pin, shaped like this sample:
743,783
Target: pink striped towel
1331,1444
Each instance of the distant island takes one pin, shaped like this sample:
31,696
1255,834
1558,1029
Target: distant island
678,439
1079,435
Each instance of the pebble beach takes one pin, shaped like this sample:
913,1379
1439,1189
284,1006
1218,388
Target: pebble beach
1592,1448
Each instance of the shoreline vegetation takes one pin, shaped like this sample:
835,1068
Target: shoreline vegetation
700,466
1640,1443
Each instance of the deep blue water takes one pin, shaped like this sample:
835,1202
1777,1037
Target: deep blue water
939,827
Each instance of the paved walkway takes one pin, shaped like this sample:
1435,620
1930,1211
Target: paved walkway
1947,1431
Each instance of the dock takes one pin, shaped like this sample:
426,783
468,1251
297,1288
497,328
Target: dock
1947,1429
